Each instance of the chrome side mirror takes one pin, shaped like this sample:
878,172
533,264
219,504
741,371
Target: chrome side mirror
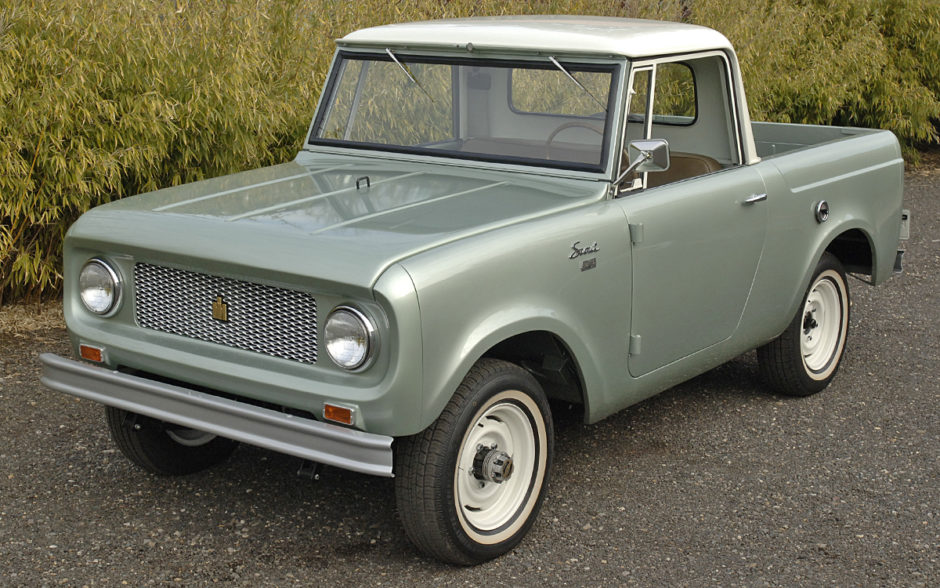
652,155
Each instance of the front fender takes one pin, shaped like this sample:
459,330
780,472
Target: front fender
474,294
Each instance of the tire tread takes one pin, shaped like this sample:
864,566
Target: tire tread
153,450
421,461
779,361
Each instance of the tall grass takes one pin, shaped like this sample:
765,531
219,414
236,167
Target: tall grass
100,99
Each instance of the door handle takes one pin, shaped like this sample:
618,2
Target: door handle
754,199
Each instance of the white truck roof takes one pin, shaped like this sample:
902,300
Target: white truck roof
627,37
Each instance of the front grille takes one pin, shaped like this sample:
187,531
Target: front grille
264,319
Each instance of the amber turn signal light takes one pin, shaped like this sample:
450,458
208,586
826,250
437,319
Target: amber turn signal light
338,414
91,353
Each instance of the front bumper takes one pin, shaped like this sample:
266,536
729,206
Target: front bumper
358,451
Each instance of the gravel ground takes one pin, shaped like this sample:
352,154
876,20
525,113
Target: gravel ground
715,482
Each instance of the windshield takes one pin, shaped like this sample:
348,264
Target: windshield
548,112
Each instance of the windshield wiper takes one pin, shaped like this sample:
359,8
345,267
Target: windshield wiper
572,78
408,73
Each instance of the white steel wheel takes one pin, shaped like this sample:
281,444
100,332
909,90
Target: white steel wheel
470,486
823,331
805,357
499,464
190,437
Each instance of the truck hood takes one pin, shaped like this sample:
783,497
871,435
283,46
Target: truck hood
342,220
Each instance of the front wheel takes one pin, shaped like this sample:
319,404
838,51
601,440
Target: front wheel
165,449
469,487
804,359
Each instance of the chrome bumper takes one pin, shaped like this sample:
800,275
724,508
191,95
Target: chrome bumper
320,442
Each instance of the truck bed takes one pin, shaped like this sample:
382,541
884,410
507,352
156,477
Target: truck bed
772,139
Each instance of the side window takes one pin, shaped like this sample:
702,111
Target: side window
665,104
675,95
639,100
674,99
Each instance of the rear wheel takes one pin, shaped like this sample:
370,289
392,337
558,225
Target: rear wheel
165,449
805,357
470,486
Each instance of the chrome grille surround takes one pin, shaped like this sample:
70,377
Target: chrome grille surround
264,319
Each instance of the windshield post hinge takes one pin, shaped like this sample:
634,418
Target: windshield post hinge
635,344
636,233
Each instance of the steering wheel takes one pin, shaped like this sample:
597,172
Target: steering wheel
569,125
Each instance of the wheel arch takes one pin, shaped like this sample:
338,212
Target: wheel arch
546,356
551,351
854,249
852,245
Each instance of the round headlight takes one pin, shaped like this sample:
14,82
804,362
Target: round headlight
99,286
349,337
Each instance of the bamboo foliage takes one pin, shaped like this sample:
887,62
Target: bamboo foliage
868,63
100,99
105,99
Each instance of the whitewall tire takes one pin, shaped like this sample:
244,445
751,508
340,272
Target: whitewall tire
805,357
470,486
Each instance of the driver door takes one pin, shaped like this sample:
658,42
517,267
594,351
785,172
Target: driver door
697,234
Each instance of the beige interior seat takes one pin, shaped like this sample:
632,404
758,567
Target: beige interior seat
683,166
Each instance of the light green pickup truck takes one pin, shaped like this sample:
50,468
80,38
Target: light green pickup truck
487,214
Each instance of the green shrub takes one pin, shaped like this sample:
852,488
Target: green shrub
110,98
100,99
868,63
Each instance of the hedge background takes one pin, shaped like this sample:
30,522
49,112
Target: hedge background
101,99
